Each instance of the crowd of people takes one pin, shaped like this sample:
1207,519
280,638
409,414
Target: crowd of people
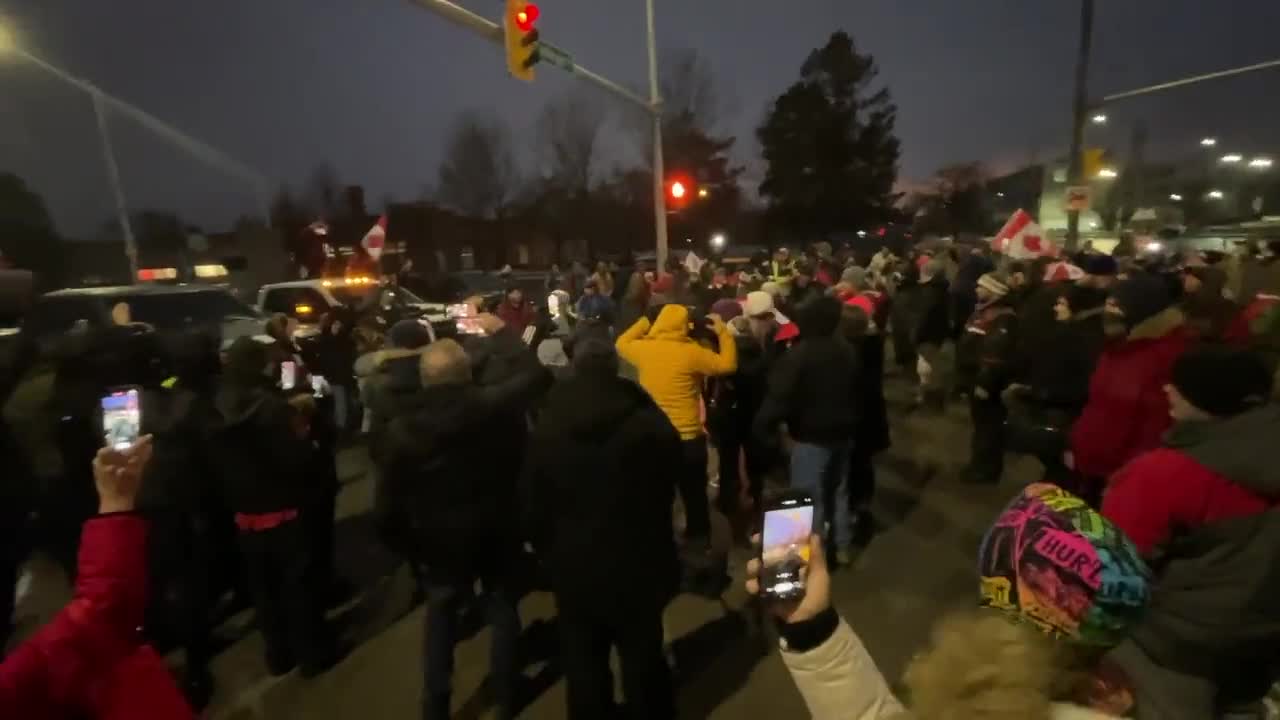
1138,570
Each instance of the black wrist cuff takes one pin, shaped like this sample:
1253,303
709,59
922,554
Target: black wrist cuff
809,634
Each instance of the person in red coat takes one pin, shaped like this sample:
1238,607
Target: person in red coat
1216,462
1127,410
91,661
514,311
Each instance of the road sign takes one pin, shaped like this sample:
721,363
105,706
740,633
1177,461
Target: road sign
1077,198
556,56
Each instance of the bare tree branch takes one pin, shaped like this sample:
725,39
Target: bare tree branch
478,176
569,129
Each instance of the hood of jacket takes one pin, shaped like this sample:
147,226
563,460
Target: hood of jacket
591,407
671,324
1238,448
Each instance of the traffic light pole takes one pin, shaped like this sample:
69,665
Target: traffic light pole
1075,166
655,107
553,55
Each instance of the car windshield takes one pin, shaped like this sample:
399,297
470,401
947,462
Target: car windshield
170,311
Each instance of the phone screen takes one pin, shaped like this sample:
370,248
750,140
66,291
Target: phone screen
784,549
288,374
121,419
459,310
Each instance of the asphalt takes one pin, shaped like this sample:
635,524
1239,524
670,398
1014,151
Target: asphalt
920,564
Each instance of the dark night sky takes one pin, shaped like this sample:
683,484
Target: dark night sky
370,85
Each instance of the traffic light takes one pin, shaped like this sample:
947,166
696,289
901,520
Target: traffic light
678,190
520,25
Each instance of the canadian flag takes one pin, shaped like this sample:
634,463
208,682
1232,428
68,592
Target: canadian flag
1062,270
376,239
1021,238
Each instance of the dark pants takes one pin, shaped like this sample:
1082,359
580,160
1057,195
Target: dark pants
318,521
692,483
586,635
986,444
862,479
276,562
445,601
182,560
734,455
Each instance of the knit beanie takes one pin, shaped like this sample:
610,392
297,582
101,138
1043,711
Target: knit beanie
1054,563
1141,296
993,284
1222,381
855,276
408,335
727,309
1097,264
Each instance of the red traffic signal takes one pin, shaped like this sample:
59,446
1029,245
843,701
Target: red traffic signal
678,190
526,17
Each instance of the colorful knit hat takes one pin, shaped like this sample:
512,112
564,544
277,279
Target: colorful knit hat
1053,561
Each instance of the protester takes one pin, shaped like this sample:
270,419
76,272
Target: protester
603,278
598,495
336,354
931,328
672,368
263,455
985,359
964,296
595,305
449,471
180,496
812,393
861,319
1127,410
517,314
1045,402
803,287
90,661
1018,657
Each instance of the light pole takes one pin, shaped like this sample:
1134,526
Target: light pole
655,102
9,45
1080,109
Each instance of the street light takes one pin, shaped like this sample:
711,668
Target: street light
703,193
1175,197
1107,173
1260,163
1208,142
1214,195
1231,158
718,241
1099,119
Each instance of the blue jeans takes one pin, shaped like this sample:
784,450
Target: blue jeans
445,603
823,471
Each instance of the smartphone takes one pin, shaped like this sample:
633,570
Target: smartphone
288,374
784,546
121,418
317,385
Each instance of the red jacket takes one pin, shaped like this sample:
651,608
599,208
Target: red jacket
90,661
516,318
1207,471
1127,410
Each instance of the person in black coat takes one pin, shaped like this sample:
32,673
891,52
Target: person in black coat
263,455
931,331
812,392
336,361
871,434
447,462
985,356
598,493
179,495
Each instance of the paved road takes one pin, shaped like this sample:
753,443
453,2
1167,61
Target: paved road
920,564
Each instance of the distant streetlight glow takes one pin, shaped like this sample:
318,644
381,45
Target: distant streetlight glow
999,194
1214,195
718,241
703,192
1107,173
1175,197
1099,119
1231,158
1260,163
1208,142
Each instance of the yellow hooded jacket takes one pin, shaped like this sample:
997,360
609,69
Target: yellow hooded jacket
672,366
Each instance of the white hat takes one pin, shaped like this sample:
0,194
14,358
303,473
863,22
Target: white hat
758,303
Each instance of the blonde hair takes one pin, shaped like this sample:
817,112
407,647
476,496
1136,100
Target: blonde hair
981,666
444,362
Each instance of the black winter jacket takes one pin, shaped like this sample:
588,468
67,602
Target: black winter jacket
812,390
932,323
261,460
597,495
447,463
985,354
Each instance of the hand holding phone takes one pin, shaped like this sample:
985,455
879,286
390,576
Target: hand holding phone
121,418
288,374
816,596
